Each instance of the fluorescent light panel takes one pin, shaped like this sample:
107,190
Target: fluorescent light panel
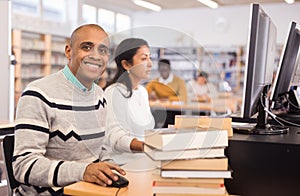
289,1
147,5
209,3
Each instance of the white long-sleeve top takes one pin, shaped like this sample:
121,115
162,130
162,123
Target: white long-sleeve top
126,119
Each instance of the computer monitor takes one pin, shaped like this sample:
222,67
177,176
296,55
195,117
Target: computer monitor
284,96
259,68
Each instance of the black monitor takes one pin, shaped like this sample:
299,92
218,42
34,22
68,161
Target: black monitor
259,68
284,95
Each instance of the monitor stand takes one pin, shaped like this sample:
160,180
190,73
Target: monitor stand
262,127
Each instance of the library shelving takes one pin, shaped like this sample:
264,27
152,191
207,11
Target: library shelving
224,63
187,61
184,60
58,59
37,55
218,62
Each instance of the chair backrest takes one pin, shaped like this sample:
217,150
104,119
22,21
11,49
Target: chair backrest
7,152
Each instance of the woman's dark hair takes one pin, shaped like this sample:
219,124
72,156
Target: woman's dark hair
125,51
203,74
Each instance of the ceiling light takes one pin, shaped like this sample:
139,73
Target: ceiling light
209,3
147,5
289,1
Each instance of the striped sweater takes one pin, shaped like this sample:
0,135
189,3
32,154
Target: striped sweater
59,131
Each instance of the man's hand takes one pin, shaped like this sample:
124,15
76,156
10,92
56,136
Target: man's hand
95,172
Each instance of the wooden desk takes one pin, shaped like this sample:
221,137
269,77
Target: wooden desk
139,173
140,184
261,164
164,112
218,105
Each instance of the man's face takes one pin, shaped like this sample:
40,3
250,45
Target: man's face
164,70
88,54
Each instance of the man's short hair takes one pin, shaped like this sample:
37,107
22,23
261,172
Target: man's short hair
164,62
82,27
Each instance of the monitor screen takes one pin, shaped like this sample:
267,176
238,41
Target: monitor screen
260,60
288,73
259,68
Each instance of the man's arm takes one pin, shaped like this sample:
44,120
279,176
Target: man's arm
31,165
39,162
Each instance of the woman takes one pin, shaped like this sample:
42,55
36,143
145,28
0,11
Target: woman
128,110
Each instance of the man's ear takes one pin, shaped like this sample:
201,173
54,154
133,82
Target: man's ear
68,51
125,65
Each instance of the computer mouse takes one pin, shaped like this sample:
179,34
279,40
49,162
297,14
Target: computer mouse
120,183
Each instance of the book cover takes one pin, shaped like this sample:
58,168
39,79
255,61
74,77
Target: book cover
196,164
188,190
210,181
179,139
187,184
191,121
172,173
160,155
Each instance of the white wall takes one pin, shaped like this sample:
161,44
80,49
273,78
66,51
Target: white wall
223,26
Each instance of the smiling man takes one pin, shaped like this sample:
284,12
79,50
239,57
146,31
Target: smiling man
60,121
87,59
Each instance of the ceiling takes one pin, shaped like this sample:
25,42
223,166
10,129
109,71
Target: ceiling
179,4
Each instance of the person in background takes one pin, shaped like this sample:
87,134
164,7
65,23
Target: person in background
128,110
168,86
59,125
199,89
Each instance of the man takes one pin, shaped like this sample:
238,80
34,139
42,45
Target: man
168,86
60,121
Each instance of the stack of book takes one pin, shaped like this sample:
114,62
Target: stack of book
193,160
192,121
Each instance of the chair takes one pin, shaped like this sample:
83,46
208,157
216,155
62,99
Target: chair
7,152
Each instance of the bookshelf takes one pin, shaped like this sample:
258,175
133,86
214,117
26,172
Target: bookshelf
58,59
224,63
184,60
37,55
216,61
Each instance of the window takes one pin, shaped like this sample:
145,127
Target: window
109,20
122,22
28,7
106,19
89,14
54,10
